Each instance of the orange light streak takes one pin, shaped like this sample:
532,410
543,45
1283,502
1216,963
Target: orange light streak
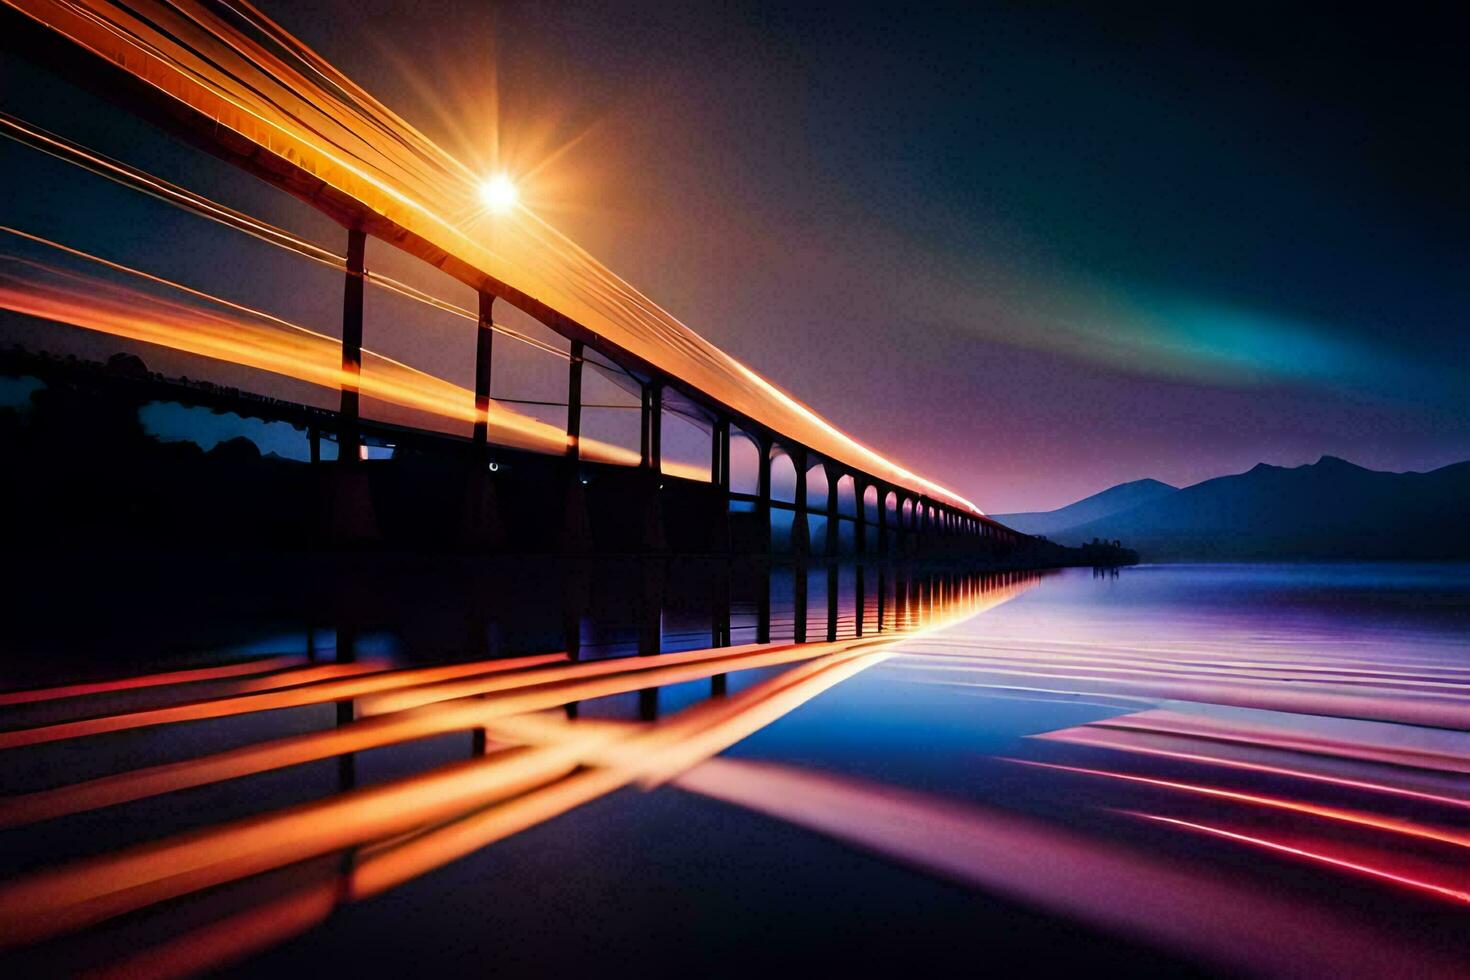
67,898
721,723
381,867
410,825
276,346
94,889
260,666
318,693
534,689
292,104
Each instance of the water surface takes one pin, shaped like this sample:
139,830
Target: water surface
1212,769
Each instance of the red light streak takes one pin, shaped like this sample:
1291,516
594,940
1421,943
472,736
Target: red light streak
1357,817
1442,891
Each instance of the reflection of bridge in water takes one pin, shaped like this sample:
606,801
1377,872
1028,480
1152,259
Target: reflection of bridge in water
544,733
228,80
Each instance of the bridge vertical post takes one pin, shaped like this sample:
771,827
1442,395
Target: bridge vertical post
653,573
719,467
720,622
481,516
799,601
763,491
721,485
882,595
861,607
800,531
716,459
833,517
349,442
763,603
576,536
643,427
656,429
347,496
724,449
883,521
860,527
574,401
653,531
832,604
484,348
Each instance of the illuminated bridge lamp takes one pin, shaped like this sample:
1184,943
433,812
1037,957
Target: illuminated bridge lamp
498,193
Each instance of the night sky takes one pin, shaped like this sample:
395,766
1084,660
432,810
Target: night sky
1029,252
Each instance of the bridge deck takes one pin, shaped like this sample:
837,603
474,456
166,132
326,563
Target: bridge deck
248,91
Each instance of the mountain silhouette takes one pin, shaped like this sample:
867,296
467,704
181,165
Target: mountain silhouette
1330,509
1113,500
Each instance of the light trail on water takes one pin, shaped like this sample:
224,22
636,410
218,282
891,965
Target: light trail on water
1357,817
1432,888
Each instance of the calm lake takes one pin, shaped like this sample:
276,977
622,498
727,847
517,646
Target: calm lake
1185,769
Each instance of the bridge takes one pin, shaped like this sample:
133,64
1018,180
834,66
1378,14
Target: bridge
230,81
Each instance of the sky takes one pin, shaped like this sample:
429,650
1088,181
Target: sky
1030,251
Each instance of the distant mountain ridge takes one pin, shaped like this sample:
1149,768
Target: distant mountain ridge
1330,509
1111,501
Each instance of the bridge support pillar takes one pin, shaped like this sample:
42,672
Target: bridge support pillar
801,542
833,607
576,530
834,530
652,505
720,631
882,596
484,349
763,603
347,495
480,525
883,543
763,496
719,470
350,439
799,600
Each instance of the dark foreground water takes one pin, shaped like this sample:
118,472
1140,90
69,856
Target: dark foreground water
1179,769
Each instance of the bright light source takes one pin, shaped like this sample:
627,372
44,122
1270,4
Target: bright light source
498,193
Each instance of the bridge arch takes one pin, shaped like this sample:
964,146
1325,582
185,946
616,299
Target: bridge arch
783,476
816,487
745,457
846,496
